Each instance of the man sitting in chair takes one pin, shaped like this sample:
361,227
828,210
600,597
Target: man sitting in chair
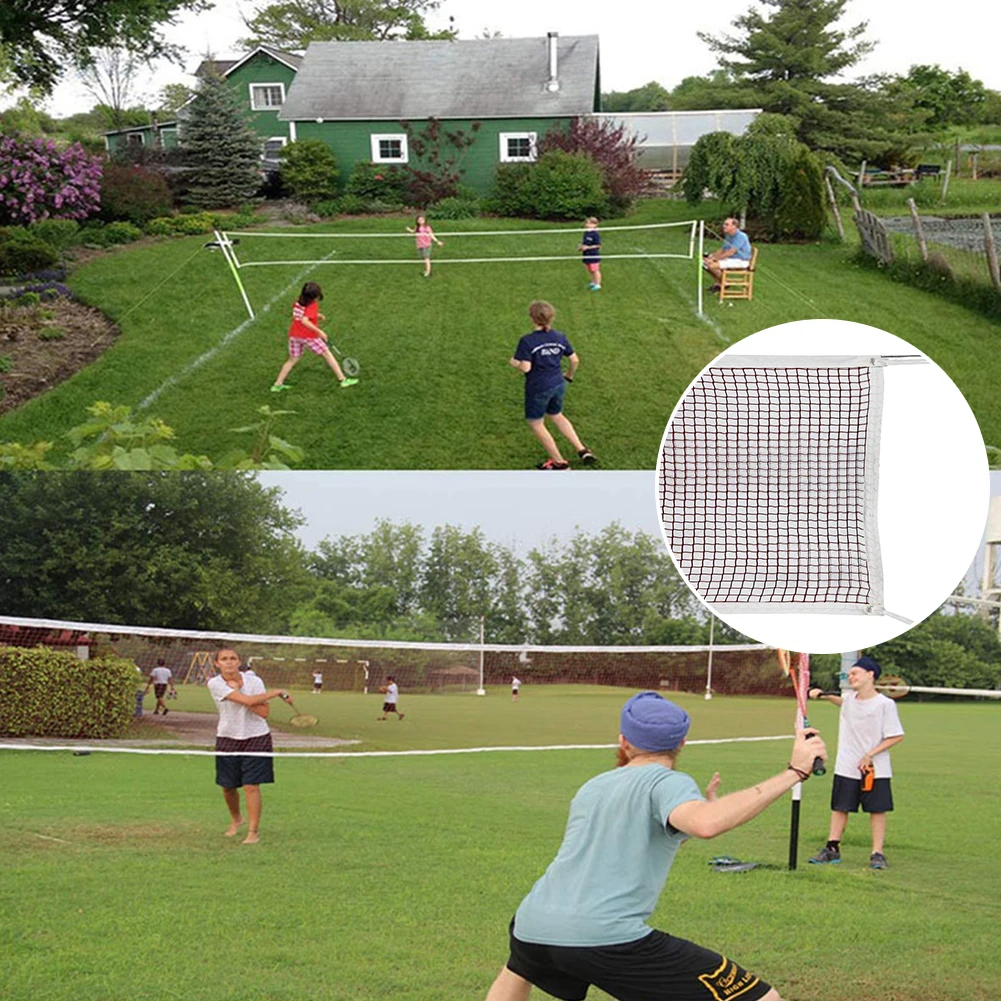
733,255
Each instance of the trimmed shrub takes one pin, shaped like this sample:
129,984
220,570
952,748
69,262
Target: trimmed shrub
352,205
325,209
195,225
22,252
510,193
800,211
309,170
566,186
379,182
161,226
121,232
58,233
455,208
96,697
133,194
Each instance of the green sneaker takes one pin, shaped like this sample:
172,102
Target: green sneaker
344,383
279,387
877,860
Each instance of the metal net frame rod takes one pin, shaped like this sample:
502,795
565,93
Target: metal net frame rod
271,234
355,644
466,260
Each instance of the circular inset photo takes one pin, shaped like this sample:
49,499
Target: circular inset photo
822,485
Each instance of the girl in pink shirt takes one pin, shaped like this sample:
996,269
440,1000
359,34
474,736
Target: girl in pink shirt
423,237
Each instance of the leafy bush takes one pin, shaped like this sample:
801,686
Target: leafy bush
38,180
194,225
28,300
381,182
510,193
455,208
309,170
22,252
96,697
133,194
58,233
612,148
565,186
51,334
326,209
800,211
121,232
6,363
161,226
352,205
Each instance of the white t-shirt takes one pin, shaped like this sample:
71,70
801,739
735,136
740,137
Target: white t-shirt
392,692
515,684
865,723
238,721
317,678
160,675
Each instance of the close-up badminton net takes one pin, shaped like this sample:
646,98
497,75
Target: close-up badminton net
768,479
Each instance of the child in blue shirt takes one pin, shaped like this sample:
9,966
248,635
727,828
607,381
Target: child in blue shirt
584,922
590,247
540,356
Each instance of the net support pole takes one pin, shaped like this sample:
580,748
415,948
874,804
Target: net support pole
797,796
698,262
709,665
481,690
223,241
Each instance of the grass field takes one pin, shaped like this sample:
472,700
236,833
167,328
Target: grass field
436,389
395,877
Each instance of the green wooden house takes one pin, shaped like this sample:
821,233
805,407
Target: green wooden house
353,96
261,80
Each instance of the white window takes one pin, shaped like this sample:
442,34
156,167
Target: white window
267,96
273,147
136,139
517,147
168,137
390,148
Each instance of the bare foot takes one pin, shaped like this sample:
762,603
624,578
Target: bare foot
252,838
234,827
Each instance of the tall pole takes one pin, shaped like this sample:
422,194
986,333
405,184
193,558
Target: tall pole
709,668
481,690
702,250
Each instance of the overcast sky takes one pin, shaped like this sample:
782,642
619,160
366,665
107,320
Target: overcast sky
641,40
519,509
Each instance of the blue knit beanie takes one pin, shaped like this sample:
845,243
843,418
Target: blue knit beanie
652,723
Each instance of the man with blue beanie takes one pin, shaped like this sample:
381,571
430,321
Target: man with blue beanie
584,921
869,727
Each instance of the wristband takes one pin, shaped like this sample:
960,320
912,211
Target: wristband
568,378
803,776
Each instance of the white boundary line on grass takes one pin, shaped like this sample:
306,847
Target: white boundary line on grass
363,754
173,380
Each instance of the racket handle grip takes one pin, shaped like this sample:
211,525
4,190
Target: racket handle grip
818,767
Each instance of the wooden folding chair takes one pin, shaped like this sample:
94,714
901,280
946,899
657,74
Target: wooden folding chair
738,283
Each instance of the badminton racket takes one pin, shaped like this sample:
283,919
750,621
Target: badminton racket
800,677
300,720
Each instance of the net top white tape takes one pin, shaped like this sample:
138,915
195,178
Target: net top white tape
768,481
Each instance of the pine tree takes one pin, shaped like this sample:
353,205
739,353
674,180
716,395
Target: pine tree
224,153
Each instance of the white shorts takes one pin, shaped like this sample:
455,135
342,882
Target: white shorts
733,264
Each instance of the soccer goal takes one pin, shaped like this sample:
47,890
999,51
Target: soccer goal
243,250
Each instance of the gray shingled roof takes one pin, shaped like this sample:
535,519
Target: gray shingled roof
222,66
481,78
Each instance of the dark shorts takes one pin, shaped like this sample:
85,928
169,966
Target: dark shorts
317,686
847,796
232,772
540,402
159,690
658,967
389,707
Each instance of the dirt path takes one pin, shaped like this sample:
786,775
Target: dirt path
181,728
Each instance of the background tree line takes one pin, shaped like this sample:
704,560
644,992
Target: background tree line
219,551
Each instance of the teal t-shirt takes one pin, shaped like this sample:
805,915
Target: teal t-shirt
616,853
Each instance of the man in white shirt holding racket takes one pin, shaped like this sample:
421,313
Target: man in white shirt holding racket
160,678
869,727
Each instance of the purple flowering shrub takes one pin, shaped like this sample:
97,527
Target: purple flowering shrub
39,181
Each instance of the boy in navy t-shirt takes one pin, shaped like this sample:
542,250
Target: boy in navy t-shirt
590,247
540,356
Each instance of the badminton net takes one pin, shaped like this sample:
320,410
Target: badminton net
768,478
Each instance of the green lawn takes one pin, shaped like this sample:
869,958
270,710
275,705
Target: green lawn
436,390
395,877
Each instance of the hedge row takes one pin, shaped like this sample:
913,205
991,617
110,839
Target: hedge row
51,693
